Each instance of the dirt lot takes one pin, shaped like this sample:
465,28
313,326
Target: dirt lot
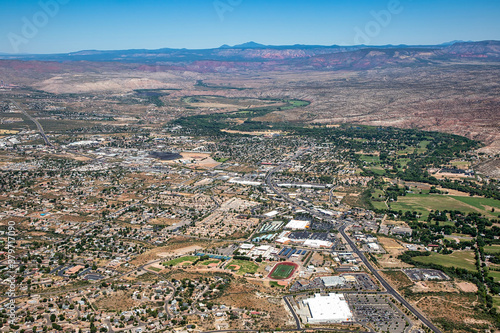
252,295
164,221
394,249
397,279
442,301
197,160
177,246
392,246
453,312
74,218
435,286
121,300
467,287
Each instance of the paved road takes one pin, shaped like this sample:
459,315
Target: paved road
38,126
315,213
386,285
297,319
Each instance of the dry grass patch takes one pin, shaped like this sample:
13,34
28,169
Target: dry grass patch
435,286
120,300
252,295
164,221
393,249
398,279
454,312
467,287
176,246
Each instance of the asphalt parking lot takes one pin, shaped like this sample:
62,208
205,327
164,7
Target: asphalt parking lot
377,311
421,274
365,282
93,277
324,236
326,226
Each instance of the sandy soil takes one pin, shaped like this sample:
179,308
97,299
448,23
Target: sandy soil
467,287
434,286
157,265
252,295
121,300
3,131
181,251
394,249
164,221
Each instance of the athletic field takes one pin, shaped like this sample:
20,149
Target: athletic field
283,271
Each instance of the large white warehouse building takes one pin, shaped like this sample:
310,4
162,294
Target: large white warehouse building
328,309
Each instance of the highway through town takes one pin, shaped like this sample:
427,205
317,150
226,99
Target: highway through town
38,125
385,284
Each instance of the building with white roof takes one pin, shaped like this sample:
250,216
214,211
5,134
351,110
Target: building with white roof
246,246
328,309
317,243
298,225
272,213
333,281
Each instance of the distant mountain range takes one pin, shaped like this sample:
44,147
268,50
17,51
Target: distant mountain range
254,56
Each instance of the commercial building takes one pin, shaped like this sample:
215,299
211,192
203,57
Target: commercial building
333,281
74,270
328,309
298,225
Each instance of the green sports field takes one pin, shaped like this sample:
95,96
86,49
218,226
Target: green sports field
245,267
177,261
282,271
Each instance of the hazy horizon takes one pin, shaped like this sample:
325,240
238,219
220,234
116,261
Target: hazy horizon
62,26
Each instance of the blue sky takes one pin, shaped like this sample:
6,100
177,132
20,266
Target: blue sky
73,25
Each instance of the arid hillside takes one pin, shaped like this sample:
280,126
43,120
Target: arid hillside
453,89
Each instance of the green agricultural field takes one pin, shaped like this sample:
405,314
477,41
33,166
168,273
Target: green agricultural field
492,249
245,266
459,259
424,144
298,103
461,164
495,275
462,238
377,194
403,161
482,203
378,170
379,205
424,203
496,302
177,261
282,271
369,158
